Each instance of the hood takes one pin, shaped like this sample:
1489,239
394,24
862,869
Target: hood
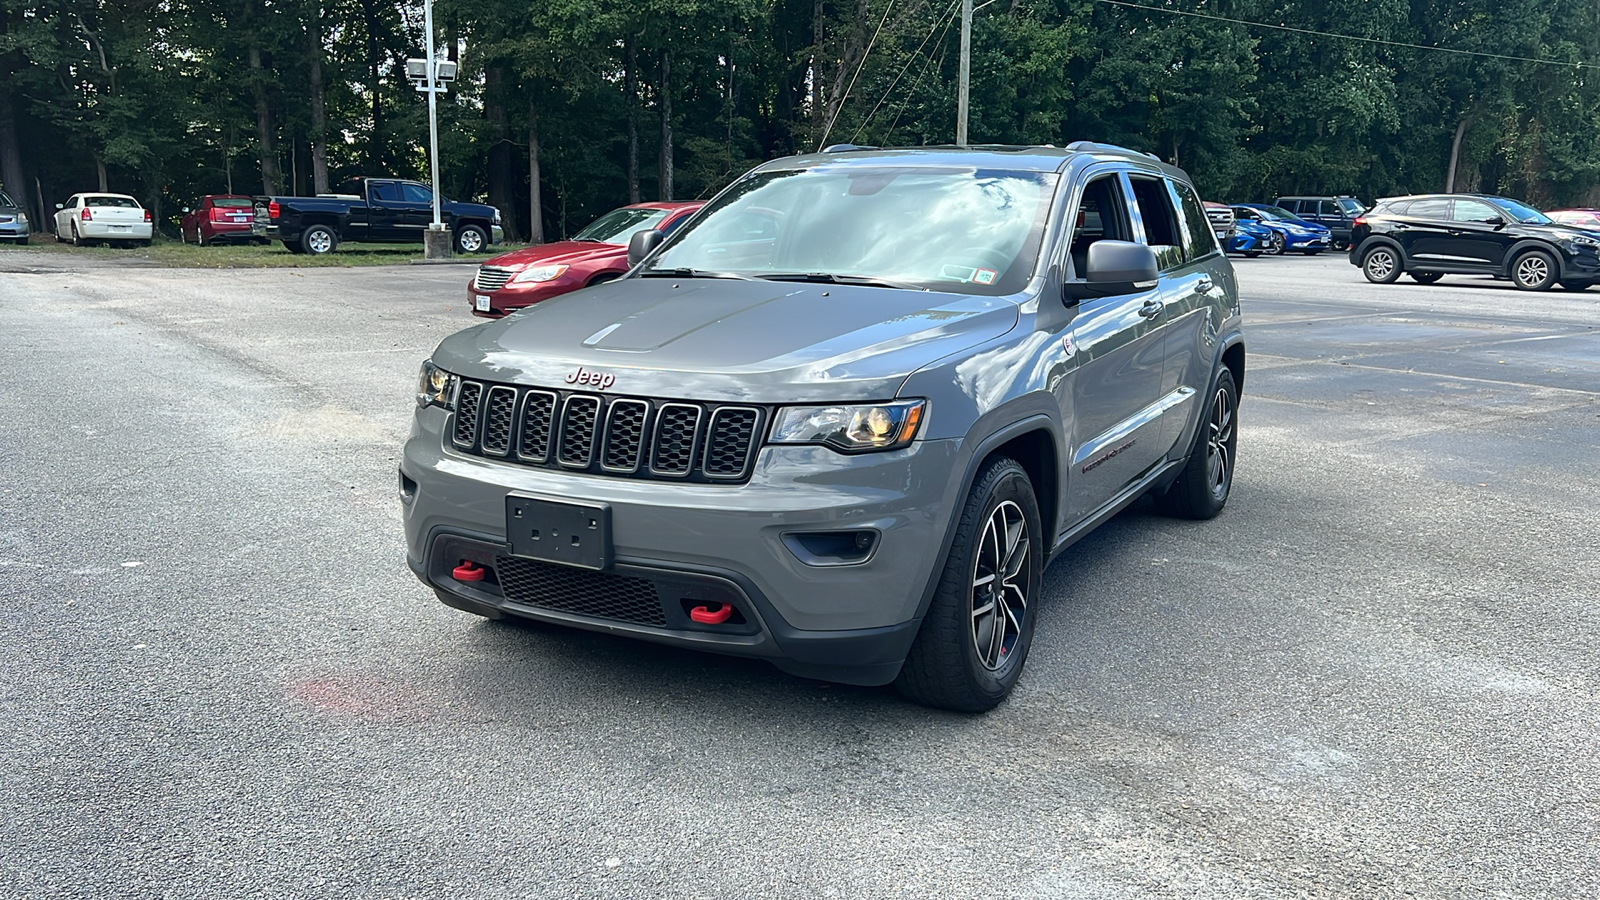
567,252
727,340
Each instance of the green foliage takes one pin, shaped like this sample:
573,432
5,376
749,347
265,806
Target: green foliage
163,94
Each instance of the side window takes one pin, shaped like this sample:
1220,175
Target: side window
388,192
1327,208
1292,206
1245,214
1160,220
1438,208
416,193
1202,240
1474,211
1102,215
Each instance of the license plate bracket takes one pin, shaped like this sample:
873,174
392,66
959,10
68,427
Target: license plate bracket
559,531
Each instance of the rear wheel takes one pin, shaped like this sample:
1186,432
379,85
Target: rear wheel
1426,277
1203,486
1534,270
293,247
969,652
1381,265
319,240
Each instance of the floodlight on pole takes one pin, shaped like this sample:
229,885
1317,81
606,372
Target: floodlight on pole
433,108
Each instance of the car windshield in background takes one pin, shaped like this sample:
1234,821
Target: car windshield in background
1352,207
231,202
619,225
1278,212
5,199
945,229
124,202
1522,213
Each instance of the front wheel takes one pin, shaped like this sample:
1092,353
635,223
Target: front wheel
319,240
1251,254
471,239
1203,486
969,653
1534,270
1381,265
1275,247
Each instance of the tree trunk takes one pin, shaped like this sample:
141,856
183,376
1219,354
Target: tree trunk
535,196
502,153
375,154
100,169
665,174
817,111
11,174
319,109
1455,155
271,179
630,87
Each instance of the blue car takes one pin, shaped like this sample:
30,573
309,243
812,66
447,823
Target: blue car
1298,234
1252,238
13,221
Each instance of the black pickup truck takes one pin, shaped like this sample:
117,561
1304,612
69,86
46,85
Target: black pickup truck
377,210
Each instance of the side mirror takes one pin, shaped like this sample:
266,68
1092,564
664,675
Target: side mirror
1115,267
642,244
1496,221
59,206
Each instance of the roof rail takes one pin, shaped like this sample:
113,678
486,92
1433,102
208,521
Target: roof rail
845,148
1086,146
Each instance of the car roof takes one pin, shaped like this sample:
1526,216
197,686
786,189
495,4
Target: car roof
226,197
1016,157
103,194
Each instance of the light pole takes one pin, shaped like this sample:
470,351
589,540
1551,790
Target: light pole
964,79
430,76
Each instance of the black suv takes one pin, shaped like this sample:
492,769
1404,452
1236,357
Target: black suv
1432,235
1335,213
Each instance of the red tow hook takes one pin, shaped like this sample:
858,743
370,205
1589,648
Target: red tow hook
709,616
468,571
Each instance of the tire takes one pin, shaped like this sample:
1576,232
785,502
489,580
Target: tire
1426,277
1534,270
200,238
471,239
1251,254
293,247
1381,264
1576,286
1310,252
77,240
960,661
1203,486
318,240
1275,248
602,279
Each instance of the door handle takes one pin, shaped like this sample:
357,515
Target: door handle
1150,309
1204,285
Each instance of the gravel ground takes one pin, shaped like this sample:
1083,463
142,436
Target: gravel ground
1374,675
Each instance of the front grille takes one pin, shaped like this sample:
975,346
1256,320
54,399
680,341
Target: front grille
599,594
491,278
631,437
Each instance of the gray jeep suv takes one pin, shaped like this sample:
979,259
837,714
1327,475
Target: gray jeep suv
843,417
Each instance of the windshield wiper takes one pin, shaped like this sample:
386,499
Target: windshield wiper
685,272
831,278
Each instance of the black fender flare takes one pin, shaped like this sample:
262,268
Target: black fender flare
1526,244
1391,243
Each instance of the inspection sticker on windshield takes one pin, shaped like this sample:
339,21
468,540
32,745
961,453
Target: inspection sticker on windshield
483,303
984,276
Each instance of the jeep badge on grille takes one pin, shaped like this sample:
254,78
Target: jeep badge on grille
601,380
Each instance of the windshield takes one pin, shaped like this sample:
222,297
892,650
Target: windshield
5,199
1523,213
1352,206
1278,212
619,225
945,229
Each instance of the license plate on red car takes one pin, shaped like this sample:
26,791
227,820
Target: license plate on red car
482,303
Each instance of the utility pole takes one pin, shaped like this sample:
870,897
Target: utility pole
966,72
433,110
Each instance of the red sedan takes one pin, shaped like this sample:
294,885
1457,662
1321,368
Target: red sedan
219,217
598,253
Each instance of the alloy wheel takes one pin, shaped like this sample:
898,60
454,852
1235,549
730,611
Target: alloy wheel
1380,263
1002,582
1219,444
1533,270
319,241
471,241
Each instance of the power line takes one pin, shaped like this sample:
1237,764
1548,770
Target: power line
851,86
926,65
1348,37
909,60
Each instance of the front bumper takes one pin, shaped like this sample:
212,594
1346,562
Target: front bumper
509,299
14,230
1304,242
706,543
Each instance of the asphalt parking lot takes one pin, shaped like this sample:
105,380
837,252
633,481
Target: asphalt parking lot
1375,675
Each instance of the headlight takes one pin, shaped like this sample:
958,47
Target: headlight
539,274
497,217
1586,242
436,387
850,429
22,217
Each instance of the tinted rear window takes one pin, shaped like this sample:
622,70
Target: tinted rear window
232,202
124,202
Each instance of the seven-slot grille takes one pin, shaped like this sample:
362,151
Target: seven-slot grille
492,278
625,436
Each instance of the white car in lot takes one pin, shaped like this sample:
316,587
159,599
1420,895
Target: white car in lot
103,217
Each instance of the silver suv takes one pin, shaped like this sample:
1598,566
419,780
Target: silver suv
844,416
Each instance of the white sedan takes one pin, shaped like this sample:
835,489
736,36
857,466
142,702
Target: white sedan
103,217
